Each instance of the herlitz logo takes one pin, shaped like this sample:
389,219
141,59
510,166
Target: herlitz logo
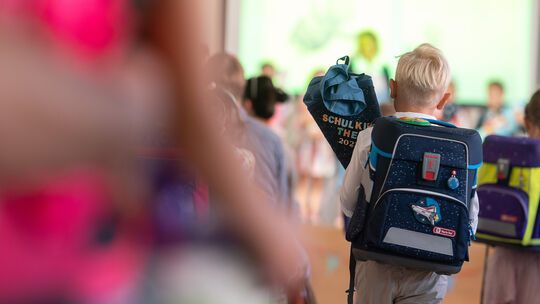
427,211
444,231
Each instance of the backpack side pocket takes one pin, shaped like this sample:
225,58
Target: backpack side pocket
358,220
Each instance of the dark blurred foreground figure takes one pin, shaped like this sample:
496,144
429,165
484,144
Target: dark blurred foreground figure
72,226
269,237
73,202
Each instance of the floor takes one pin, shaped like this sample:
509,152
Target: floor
329,256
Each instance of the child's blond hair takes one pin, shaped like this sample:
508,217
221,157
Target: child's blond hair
423,75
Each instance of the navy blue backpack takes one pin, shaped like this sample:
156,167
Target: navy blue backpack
342,104
424,175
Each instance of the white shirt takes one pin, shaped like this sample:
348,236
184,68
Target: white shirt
357,174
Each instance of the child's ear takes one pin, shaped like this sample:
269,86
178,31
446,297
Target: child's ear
532,129
528,125
393,88
443,101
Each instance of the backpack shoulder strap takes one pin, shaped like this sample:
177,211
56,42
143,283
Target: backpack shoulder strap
352,274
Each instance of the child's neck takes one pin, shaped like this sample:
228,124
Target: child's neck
426,111
265,122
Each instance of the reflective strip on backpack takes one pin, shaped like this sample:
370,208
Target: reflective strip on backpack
534,196
419,240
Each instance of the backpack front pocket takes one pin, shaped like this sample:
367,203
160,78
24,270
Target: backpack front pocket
420,224
504,211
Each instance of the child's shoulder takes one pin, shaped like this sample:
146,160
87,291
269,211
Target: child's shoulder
365,133
363,140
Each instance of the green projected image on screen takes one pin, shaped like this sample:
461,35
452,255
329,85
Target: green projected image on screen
483,39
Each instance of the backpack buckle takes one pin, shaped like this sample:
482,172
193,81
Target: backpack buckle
430,166
503,168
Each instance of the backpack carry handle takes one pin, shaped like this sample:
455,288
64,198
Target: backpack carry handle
440,123
345,59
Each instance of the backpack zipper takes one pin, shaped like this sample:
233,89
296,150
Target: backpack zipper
420,191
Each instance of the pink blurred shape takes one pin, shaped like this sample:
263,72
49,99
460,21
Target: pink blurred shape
90,28
49,247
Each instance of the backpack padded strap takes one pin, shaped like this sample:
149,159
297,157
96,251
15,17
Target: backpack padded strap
352,274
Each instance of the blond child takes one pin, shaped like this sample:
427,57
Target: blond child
420,88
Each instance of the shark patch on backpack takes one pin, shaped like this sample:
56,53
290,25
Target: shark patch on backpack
427,211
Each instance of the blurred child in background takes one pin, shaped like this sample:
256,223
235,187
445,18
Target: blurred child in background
260,98
260,101
497,118
316,162
270,170
368,60
513,275
268,70
233,127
